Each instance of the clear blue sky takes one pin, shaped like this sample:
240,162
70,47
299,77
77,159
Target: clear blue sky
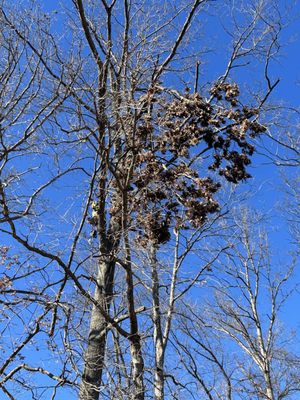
266,191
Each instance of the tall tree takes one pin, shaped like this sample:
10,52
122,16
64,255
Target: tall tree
240,334
106,156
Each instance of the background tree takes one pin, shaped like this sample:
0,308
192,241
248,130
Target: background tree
239,336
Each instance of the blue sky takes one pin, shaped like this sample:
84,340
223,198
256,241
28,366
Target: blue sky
266,191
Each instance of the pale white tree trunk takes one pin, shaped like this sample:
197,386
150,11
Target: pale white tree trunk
157,332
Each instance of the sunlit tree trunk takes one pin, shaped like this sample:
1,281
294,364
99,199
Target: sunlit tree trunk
95,352
157,331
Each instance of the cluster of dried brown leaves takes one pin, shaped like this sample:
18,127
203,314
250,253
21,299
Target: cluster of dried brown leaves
167,187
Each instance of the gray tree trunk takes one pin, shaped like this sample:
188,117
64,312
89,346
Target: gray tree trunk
135,339
137,368
95,352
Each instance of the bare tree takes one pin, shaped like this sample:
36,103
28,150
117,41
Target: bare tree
102,160
244,317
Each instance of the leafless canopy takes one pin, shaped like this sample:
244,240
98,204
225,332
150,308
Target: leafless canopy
114,148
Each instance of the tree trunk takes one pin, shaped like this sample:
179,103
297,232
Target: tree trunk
269,386
157,332
95,352
135,339
137,368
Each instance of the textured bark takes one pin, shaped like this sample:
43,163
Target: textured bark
135,338
137,368
95,352
137,360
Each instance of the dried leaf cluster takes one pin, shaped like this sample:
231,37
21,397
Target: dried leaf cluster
162,159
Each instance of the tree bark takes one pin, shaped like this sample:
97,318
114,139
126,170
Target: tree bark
135,338
157,331
269,386
95,352
137,368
